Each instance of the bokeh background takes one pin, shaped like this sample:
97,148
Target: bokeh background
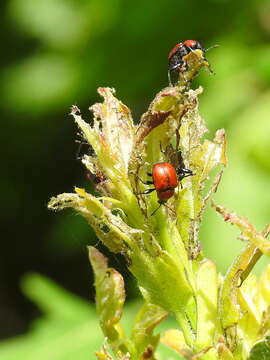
55,53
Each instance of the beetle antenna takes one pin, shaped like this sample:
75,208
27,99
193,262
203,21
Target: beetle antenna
211,47
156,209
161,203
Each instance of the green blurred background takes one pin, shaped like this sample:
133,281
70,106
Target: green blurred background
55,53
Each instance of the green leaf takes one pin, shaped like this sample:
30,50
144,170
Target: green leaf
249,299
110,298
142,335
230,295
162,281
261,351
67,330
111,229
207,293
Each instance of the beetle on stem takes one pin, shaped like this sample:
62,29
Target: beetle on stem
177,55
165,179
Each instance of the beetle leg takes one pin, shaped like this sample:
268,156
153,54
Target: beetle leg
145,192
183,172
174,68
161,149
169,78
148,182
185,175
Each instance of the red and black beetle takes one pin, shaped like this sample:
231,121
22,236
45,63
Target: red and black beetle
177,54
165,179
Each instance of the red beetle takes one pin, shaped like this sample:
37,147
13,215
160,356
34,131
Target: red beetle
165,179
177,54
